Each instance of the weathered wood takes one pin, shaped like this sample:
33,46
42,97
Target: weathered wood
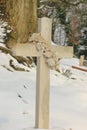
63,51
43,81
25,50
81,60
43,76
46,29
42,94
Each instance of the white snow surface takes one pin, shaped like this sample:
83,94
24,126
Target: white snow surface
68,97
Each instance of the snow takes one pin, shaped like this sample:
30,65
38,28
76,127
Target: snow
68,97
2,31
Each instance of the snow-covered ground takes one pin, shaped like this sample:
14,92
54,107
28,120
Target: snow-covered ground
68,97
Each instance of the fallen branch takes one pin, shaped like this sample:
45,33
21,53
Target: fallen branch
79,68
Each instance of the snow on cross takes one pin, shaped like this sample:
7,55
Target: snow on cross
43,71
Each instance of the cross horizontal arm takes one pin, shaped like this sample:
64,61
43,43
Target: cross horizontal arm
25,50
63,51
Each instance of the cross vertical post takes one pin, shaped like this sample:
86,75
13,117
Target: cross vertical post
43,81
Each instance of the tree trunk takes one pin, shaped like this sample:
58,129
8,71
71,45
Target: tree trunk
27,23
23,16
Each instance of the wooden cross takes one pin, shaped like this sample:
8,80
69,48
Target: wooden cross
43,72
